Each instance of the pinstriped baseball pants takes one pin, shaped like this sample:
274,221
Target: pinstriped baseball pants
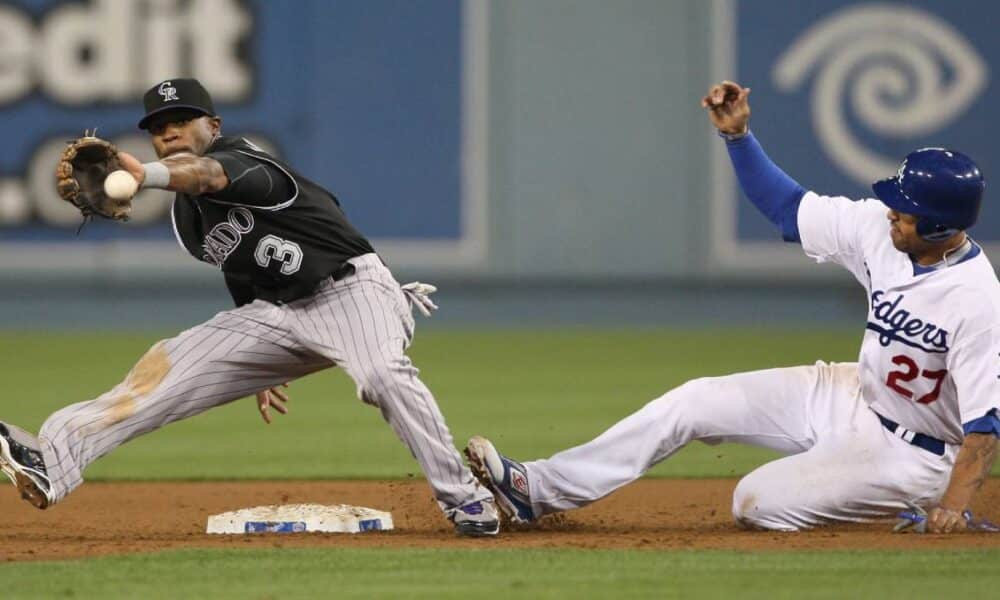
362,323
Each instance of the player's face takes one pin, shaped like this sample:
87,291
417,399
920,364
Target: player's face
903,230
182,131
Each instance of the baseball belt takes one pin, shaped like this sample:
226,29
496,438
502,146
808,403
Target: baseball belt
292,293
928,443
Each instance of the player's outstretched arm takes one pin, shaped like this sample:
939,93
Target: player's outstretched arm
972,467
185,173
773,192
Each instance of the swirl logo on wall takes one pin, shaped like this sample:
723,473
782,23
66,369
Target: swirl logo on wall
903,71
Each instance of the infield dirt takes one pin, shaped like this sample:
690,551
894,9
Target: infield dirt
121,518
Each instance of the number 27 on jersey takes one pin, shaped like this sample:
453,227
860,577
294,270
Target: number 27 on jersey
901,380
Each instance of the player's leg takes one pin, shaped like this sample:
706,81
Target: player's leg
857,471
364,324
231,356
770,409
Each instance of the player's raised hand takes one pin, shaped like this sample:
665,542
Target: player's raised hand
728,107
273,397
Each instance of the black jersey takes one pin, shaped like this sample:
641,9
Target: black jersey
273,233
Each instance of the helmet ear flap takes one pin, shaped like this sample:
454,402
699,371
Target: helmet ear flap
934,232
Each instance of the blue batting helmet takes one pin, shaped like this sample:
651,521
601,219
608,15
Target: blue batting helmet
942,187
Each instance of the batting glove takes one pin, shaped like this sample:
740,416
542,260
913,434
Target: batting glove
418,294
915,520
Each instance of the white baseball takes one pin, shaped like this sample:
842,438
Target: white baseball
120,185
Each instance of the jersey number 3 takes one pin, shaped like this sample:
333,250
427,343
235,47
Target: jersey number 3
908,373
289,254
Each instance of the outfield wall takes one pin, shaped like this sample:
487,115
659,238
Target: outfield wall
489,142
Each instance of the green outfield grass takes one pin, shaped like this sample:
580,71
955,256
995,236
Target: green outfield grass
464,574
534,393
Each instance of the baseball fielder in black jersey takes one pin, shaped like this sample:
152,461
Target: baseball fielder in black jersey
310,293
274,233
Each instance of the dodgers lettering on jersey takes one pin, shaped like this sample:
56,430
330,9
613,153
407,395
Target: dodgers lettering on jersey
930,358
274,239
893,323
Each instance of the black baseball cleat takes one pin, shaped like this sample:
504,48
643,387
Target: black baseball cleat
476,519
21,461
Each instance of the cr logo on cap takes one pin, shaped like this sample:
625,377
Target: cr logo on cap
168,92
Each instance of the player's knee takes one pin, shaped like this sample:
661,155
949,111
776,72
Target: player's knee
371,383
693,393
686,406
380,377
756,506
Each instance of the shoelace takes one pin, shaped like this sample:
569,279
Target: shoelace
476,508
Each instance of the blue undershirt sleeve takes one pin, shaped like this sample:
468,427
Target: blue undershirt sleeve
773,192
985,424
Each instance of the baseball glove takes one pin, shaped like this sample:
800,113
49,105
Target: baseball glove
80,174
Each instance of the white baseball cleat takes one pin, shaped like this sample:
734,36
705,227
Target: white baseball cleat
506,478
21,461
476,519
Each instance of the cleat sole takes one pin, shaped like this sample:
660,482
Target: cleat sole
24,483
480,529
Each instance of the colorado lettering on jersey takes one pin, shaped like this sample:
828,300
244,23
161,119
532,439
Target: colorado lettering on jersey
223,239
896,324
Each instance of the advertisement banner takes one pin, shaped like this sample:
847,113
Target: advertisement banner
842,91
370,98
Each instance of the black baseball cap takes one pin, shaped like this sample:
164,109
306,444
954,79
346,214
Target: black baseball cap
173,94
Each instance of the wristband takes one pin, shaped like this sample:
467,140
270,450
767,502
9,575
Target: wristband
732,137
157,175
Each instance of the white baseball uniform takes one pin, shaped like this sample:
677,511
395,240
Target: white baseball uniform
861,438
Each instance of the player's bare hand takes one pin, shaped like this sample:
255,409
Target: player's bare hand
272,398
945,520
133,166
728,108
